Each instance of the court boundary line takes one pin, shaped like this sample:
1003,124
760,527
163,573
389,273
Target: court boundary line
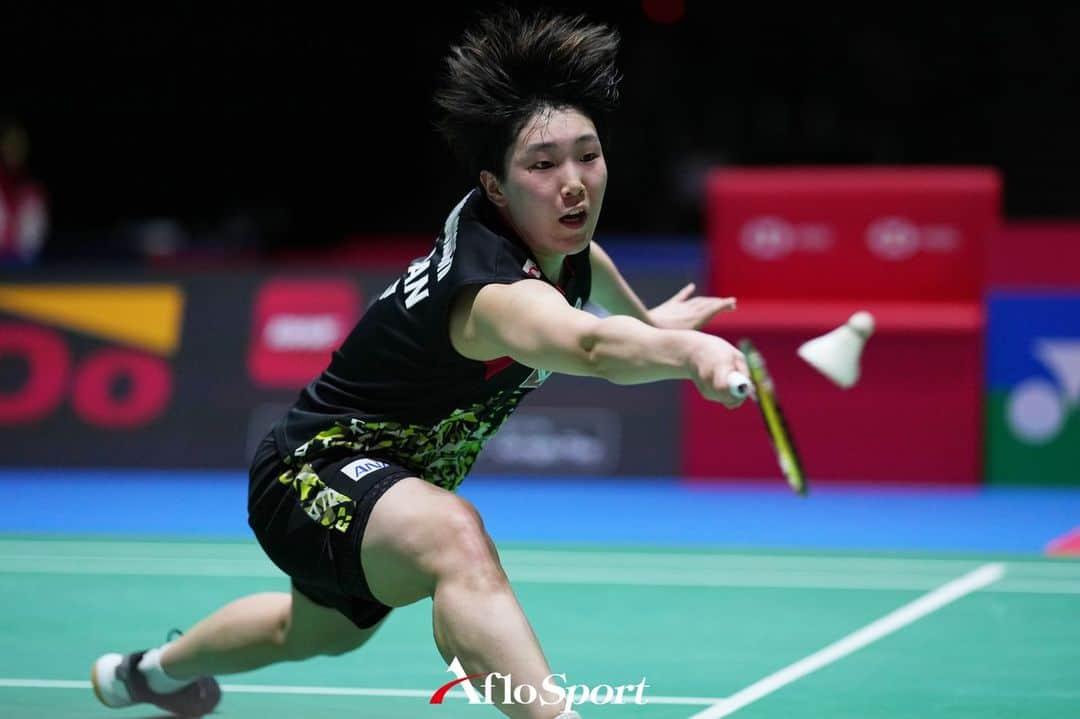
704,575
827,559
882,627
13,683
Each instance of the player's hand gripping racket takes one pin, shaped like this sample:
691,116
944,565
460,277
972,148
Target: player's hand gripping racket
765,391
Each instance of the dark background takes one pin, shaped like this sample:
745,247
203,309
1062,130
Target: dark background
277,127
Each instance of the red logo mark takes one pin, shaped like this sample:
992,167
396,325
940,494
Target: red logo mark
298,324
441,692
51,374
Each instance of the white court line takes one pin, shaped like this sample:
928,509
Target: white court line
44,684
239,554
243,552
898,619
1020,579
322,691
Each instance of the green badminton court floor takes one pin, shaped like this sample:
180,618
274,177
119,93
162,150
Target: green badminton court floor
713,633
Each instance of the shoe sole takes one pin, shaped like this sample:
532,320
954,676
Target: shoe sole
94,684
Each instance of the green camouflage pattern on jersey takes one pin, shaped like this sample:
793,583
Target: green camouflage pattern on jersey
441,454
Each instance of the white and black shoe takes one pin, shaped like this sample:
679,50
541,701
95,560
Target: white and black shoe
118,682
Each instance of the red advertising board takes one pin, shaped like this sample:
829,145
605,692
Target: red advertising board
1035,254
803,249
839,233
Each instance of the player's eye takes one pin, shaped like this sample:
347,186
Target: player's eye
590,156
542,165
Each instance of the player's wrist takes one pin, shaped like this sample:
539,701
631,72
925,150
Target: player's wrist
693,352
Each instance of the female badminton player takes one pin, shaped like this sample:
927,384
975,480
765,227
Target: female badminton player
352,492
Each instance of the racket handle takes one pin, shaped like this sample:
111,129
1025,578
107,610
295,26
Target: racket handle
739,384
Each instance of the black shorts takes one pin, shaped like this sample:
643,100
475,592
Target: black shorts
311,524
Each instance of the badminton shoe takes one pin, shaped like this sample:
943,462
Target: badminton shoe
118,682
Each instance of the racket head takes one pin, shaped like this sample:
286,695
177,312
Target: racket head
779,432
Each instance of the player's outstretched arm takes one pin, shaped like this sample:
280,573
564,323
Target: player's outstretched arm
611,291
532,323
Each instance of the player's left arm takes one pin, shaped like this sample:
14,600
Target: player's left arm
611,291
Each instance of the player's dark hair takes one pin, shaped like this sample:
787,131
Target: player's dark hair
509,66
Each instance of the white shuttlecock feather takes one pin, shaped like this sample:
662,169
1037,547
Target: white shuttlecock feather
837,354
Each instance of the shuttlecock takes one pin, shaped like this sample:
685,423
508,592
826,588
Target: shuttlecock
836,354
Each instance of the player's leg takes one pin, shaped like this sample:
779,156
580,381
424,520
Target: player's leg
423,541
264,628
258,630
248,633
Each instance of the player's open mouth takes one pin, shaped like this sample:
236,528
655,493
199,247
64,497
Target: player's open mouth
574,219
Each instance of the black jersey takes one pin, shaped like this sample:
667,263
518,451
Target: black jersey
397,389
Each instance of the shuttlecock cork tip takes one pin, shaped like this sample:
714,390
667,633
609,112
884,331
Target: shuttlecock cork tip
863,323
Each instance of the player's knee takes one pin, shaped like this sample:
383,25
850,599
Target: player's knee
283,638
297,646
465,550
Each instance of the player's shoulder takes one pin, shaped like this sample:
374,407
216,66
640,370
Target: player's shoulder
479,221
483,245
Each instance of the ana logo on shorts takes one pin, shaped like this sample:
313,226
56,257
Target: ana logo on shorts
361,468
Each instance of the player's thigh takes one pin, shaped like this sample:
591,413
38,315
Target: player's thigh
315,629
418,534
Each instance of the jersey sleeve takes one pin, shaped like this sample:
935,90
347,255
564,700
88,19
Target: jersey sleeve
481,256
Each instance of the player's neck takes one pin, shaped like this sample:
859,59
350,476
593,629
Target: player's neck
551,266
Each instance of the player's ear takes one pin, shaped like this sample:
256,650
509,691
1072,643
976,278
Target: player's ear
492,188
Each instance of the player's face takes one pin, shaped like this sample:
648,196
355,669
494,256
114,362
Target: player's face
554,182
